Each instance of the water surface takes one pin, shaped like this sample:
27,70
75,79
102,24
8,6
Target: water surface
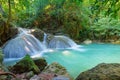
83,58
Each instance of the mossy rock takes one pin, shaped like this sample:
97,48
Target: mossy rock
25,65
41,63
56,68
103,71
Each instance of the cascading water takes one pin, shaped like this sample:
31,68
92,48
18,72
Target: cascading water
26,43
23,44
45,40
61,42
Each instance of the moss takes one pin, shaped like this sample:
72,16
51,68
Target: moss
25,65
41,63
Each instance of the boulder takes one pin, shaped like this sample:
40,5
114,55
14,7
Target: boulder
6,36
38,33
25,65
35,77
55,68
116,42
102,71
22,76
87,41
41,63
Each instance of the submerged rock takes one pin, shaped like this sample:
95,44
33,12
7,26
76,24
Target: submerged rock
25,65
102,71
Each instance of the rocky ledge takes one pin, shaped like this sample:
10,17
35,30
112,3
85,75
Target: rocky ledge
102,71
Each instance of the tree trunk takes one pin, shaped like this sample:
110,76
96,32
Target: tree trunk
9,18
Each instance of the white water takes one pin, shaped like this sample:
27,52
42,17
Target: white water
26,43
45,40
23,44
61,42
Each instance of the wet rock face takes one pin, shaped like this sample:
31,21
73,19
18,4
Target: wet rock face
39,34
102,71
4,37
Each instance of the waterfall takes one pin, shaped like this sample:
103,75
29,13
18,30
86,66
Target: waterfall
61,42
45,39
24,43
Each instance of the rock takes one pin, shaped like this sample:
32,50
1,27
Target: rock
87,41
26,76
3,77
41,63
46,76
52,76
102,71
3,74
1,60
61,78
5,36
25,65
55,68
38,33
35,77
29,74
116,42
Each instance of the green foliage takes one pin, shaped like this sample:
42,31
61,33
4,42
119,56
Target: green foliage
65,15
105,29
1,56
105,7
73,17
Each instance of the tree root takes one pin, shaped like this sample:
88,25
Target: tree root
8,73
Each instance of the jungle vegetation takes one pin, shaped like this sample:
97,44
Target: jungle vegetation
80,19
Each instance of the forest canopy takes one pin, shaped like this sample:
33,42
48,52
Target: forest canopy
78,18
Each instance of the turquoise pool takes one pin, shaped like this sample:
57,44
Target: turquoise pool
85,57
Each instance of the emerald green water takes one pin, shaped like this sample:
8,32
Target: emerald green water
86,57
